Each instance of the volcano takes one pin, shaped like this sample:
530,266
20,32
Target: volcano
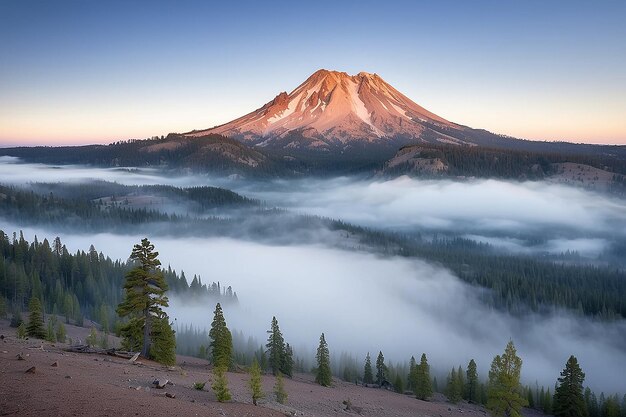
333,109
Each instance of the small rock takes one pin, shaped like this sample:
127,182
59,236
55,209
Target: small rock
96,359
31,370
170,383
1,337
170,395
68,377
55,364
20,357
160,383
138,388
5,351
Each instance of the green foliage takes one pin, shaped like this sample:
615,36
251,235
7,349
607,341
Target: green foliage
472,382
220,384
280,354
21,330
323,375
368,374
145,298
412,376
279,389
221,346
163,347
381,369
3,307
16,318
199,385
504,390
255,382
398,386
92,339
50,334
35,320
61,334
423,387
453,388
568,395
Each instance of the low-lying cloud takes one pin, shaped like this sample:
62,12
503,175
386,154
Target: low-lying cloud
364,302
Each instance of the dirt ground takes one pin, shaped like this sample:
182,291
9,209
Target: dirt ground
101,385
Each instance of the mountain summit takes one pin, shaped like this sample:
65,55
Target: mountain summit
332,110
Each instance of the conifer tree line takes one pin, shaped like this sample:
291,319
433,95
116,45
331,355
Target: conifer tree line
77,286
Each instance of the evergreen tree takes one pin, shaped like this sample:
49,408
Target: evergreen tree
381,369
255,382
50,335
35,320
568,396
530,398
3,307
453,390
163,347
397,385
460,381
368,374
423,387
412,376
287,363
280,354
279,390
145,289
221,346
323,376
472,382
504,396
220,384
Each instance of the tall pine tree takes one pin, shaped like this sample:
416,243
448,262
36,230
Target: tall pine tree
504,391
472,382
423,386
368,374
568,396
35,327
381,369
323,375
221,346
145,298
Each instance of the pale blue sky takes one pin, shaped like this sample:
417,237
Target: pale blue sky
88,71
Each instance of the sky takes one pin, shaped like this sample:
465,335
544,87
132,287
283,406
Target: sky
79,72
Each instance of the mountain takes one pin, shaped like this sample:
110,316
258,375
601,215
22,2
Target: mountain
333,109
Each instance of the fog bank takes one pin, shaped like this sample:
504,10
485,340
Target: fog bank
367,303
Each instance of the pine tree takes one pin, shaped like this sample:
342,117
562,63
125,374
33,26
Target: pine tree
412,376
221,346
163,347
279,390
144,299
460,381
50,335
472,382
368,374
423,389
453,391
220,384
280,353
287,367
35,320
504,396
255,382
397,385
21,330
323,376
568,396
381,369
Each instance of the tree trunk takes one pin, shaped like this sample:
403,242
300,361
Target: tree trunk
146,334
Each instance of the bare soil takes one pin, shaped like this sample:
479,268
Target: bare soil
101,385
